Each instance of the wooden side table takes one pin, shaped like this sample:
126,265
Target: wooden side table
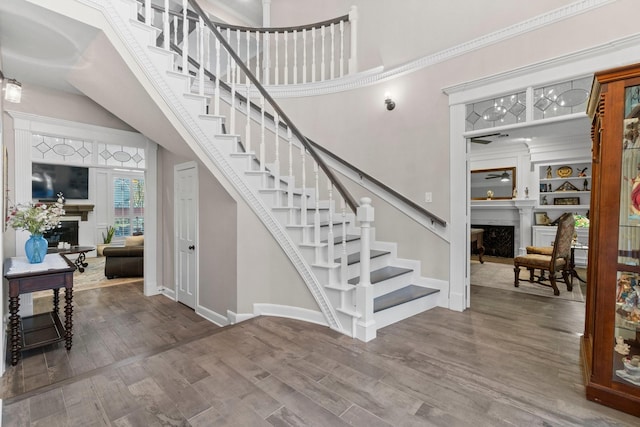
46,328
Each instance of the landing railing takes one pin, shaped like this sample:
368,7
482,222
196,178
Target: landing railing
280,55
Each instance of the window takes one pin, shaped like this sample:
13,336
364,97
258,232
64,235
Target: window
128,205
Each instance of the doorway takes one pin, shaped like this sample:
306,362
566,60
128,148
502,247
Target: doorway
186,232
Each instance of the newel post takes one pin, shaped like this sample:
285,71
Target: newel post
366,326
353,50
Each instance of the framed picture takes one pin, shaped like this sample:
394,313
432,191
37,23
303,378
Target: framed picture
542,218
566,201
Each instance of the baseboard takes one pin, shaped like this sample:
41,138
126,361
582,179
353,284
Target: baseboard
237,318
169,293
212,316
290,312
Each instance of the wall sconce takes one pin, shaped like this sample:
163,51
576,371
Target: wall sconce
12,89
389,102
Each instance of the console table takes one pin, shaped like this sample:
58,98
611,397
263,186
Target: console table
54,272
80,261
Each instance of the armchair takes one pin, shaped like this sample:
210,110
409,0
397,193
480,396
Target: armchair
556,261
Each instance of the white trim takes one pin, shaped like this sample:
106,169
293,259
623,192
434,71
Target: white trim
212,316
290,312
377,75
169,293
237,318
571,66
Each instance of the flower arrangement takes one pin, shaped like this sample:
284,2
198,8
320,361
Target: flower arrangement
36,217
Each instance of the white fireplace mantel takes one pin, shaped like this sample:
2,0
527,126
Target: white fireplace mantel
515,212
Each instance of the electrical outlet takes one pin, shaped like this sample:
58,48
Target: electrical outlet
428,197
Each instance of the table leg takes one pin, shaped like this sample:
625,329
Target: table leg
572,268
80,262
68,316
14,323
56,300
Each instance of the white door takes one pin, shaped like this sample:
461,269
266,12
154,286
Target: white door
186,229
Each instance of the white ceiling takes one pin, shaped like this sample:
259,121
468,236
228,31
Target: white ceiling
40,48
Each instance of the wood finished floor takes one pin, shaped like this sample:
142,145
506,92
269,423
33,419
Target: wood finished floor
511,360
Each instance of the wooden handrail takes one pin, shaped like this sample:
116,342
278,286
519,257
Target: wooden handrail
329,153
348,198
224,26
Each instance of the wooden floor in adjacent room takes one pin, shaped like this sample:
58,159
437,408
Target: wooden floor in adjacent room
510,360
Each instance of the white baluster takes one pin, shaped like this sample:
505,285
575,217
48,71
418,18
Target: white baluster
366,326
303,200
330,242
316,212
175,30
304,55
277,67
286,57
353,51
295,57
148,12
344,265
216,102
201,55
247,130
185,38
341,48
166,30
265,58
238,52
232,118
333,52
248,36
229,58
258,56
290,181
322,61
313,54
262,138
276,163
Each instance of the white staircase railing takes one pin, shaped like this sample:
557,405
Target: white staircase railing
309,53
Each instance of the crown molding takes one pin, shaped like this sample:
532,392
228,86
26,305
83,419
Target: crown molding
377,75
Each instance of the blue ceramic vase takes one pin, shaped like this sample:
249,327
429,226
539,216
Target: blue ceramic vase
36,248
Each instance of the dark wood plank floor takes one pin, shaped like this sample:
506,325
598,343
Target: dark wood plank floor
511,360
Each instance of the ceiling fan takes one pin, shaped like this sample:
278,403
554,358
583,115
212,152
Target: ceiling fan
504,176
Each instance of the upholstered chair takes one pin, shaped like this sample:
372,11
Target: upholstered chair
555,262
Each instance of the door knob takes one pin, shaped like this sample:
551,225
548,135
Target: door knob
192,247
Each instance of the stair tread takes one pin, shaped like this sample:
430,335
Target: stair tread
383,274
355,258
401,296
338,239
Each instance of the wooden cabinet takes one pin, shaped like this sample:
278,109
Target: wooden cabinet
611,342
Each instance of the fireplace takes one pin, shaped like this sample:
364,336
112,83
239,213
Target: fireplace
498,240
67,232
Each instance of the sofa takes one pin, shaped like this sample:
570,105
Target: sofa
125,261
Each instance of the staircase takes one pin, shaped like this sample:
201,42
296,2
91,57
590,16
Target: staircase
303,205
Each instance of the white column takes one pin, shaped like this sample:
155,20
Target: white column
366,325
459,225
525,210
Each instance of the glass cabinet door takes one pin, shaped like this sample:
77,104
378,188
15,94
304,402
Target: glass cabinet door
626,360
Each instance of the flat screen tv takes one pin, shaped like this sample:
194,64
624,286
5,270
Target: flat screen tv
49,180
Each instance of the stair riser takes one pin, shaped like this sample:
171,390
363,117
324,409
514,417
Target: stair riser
376,263
393,284
395,314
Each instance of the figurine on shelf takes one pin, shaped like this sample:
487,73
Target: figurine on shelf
544,200
515,193
582,172
621,347
526,192
549,175
585,185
